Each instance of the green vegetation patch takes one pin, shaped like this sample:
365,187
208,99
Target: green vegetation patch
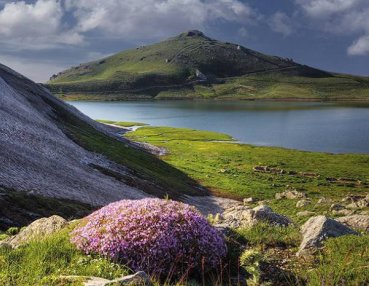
42,262
121,123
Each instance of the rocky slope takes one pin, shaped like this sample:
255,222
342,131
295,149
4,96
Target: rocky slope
48,149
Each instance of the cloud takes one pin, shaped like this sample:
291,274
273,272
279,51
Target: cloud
136,19
281,23
360,47
347,17
323,8
37,25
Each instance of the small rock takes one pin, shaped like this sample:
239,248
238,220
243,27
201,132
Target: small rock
336,207
356,221
140,278
324,201
305,213
36,230
345,212
359,204
290,194
317,229
303,203
249,200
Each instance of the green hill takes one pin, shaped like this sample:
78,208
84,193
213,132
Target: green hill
193,65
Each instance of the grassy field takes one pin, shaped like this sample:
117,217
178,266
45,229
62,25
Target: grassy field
227,168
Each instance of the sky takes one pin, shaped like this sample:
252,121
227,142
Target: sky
41,37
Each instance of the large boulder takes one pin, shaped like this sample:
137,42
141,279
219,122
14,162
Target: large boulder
244,216
37,230
356,221
317,229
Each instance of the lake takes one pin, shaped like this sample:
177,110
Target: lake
327,127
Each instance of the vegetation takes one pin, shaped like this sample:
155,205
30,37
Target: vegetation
42,262
121,123
169,69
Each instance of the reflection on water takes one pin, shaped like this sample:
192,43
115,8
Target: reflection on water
328,127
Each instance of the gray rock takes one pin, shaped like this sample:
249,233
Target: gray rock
317,229
37,230
358,221
344,212
244,216
303,203
249,200
324,201
290,194
140,279
336,207
360,203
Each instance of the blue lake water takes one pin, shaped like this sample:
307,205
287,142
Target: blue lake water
327,127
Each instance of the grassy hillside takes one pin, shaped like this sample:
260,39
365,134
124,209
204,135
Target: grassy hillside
192,65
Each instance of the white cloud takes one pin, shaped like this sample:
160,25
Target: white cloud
323,8
281,23
135,19
360,47
37,25
350,17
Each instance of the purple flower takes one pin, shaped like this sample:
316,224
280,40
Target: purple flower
161,237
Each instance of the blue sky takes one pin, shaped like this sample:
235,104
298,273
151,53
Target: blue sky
42,37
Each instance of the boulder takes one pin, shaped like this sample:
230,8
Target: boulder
244,216
290,194
358,221
317,229
37,230
303,203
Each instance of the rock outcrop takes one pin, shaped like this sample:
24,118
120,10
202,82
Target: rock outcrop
358,221
290,194
37,230
317,229
244,216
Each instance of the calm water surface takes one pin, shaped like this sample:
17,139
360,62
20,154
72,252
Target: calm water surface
327,127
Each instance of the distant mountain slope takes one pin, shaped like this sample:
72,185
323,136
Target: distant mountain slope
182,65
48,148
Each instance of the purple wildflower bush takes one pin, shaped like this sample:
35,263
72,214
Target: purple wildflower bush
161,237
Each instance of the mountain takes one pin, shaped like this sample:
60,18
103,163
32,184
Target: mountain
193,65
55,159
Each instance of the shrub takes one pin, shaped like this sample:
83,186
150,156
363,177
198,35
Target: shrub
161,237
13,231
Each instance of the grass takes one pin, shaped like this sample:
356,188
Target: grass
121,123
167,70
42,262
343,261
226,168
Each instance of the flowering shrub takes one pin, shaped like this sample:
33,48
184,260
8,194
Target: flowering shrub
158,236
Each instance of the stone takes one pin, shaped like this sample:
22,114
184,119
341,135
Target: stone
344,212
360,203
37,230
290,194
358,221
336,207
138,279
303,203
245,216
249,200
324,201
317,229
305,213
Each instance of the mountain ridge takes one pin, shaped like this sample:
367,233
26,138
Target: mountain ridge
192,65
